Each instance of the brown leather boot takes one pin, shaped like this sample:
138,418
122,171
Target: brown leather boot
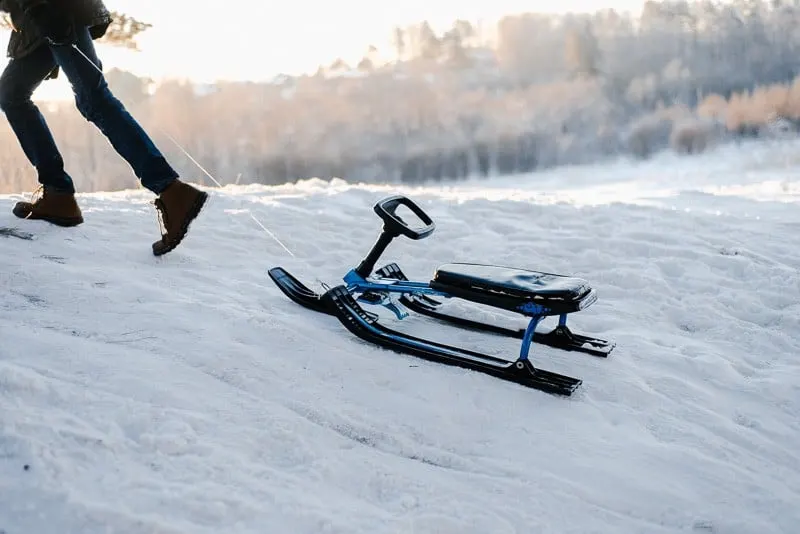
53,206
177,205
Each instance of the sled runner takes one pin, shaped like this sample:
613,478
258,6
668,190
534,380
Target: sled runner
531,294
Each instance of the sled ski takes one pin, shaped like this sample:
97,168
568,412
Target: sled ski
532,294
340,303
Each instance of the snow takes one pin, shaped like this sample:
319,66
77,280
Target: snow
187,394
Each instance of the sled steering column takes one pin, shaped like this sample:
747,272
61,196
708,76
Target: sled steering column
394,226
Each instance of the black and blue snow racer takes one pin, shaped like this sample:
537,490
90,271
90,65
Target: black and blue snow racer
533,294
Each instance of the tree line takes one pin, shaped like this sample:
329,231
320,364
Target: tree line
530,92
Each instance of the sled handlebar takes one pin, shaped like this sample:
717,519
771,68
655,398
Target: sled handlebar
394,226
386,210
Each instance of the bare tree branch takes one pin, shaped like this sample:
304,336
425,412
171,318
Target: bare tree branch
123,31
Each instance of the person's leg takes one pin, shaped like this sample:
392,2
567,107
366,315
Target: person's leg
99,106
178,202
18,81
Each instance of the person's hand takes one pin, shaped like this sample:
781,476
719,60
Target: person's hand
54,25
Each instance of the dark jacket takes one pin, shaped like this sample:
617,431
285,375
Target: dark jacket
25,38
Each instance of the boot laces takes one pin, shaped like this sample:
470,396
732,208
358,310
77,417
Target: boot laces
161,213
38,194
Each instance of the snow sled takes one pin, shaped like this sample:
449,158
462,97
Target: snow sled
532,294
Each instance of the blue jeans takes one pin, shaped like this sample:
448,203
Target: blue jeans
94,101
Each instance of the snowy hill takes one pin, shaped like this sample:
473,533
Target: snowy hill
186,394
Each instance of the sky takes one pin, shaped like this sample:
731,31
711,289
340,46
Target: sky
251,40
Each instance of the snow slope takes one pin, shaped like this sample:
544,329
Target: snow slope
186,394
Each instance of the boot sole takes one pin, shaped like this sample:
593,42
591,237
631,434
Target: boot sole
201,200
65,222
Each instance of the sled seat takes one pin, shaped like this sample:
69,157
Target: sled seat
518,290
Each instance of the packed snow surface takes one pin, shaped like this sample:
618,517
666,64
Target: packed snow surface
187,394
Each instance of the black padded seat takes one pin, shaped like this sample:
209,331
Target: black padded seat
519,290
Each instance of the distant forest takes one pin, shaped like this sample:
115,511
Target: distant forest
531,92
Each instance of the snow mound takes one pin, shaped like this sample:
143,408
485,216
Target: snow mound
187,394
